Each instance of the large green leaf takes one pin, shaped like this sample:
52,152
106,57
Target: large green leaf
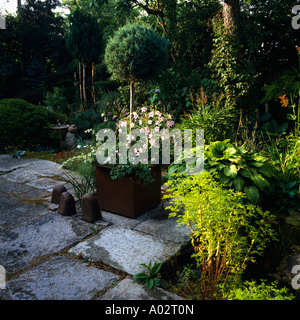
245,173
238,183
155,268
252,194
231,171
260,181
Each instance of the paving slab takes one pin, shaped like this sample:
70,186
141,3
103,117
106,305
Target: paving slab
44,183
12,187
126,222
128,290
165,228
8,164
42,236
14,212
32,169
125,249
59,278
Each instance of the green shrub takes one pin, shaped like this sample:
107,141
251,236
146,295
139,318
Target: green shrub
259,291
216,116
226,234
86,119
236,168
24,124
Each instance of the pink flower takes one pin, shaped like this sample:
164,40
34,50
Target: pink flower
170,124
152,142
150,121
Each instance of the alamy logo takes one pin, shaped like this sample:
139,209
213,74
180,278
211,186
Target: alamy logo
2,278
137,145
295,280
296,18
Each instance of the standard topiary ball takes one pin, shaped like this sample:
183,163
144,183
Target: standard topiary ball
135,52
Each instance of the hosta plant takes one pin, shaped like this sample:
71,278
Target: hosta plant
238,168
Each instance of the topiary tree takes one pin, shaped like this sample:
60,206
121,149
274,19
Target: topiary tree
135,52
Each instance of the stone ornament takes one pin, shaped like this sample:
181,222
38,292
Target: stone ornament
90,208
56,192
66,204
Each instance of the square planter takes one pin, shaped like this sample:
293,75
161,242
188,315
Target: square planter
126,196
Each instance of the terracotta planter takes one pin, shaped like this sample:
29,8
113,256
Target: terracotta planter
126,196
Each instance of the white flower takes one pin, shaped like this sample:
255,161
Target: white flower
150,121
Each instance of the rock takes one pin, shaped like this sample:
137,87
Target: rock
59,278
72,128
70,141
90,208
56,192
125,249
128,290
66,204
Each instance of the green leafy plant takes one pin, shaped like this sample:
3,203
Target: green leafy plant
225,233
238,168
83,180
140,171
215,115
20,121
149,278
135,52
251,290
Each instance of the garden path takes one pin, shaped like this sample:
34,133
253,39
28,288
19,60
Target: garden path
47,256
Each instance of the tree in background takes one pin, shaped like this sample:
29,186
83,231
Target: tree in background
32,34
84,42
134,53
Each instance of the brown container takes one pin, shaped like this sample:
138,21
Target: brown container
126,196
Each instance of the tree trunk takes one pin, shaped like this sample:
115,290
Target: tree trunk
80,84
19,4
231,15
84,87
93,85
131,98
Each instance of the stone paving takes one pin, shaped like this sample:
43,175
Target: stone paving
52,257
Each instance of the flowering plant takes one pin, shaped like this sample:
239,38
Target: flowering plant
136,135
149,121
